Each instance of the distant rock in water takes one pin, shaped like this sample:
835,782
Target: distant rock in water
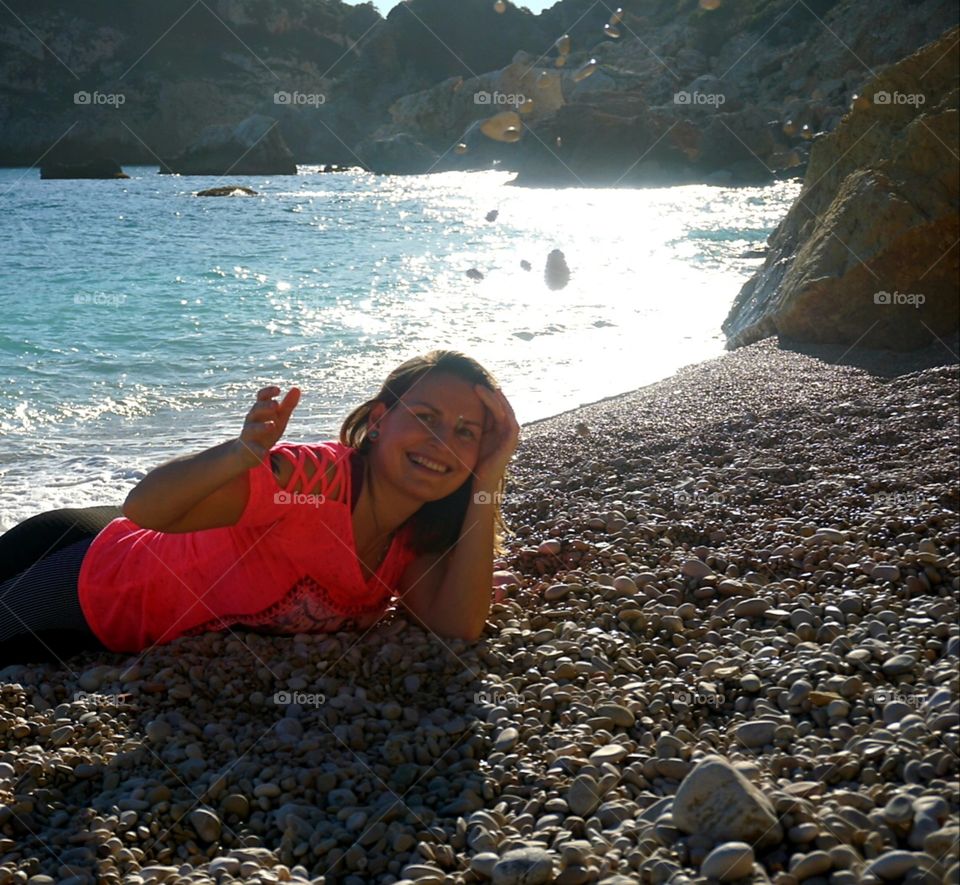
492,215
556,273
526,265
230,190
100,167
253,147
868,253
474,274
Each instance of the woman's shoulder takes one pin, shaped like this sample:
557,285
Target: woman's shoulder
312,467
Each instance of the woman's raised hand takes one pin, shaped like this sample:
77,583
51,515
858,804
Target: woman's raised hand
265,423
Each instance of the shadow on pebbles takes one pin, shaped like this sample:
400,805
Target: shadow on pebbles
726,649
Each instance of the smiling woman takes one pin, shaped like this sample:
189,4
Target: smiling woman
287,538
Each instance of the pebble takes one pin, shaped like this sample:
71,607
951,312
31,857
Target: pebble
892,865
816,863
754,607
523,866
898,665
206,823
756,733
582,797
729,861
716,800
694,568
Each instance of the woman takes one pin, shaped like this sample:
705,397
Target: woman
283,538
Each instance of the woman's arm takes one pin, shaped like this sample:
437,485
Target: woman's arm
167,494
460,605
173,489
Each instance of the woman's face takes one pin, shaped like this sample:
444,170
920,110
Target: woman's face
440,419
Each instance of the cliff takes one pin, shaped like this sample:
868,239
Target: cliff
871,241
339,79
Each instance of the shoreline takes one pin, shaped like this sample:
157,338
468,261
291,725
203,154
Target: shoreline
881,363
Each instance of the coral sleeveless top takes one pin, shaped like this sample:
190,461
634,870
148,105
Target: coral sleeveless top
289,564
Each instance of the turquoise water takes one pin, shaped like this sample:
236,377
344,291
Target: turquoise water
139,320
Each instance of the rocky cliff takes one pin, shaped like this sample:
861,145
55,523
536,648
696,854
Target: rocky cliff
731,94
872,241
140,81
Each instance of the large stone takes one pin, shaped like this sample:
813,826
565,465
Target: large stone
715,800
867,254
252,147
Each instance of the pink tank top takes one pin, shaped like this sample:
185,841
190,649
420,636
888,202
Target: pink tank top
289,564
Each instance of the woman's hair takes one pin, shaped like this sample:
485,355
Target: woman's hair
435,527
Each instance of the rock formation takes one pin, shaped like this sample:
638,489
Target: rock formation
229,190
358,79
871,242
252,147
98,167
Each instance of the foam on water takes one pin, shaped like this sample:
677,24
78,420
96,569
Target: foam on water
139,321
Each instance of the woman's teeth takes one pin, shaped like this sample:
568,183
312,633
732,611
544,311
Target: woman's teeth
426,462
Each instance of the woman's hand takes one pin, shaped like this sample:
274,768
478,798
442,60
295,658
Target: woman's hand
500,436
265,424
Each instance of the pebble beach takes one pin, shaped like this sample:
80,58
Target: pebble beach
725,649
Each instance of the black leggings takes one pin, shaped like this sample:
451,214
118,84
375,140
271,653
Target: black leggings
40,558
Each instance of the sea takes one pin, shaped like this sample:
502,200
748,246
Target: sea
139,321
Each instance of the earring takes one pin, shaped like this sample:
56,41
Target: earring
373,434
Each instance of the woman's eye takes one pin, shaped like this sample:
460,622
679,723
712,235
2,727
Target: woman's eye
467,431
424,415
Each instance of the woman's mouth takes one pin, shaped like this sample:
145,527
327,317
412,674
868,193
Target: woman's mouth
424,463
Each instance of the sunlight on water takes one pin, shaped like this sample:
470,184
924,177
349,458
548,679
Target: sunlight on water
142,321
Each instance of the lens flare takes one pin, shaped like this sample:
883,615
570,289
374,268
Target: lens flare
505,126
585,71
